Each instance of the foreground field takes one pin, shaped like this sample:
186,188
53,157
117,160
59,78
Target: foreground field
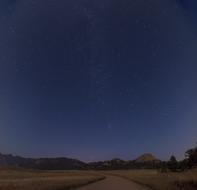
161,181
114,183
19,179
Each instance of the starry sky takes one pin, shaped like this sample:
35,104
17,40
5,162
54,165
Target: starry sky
98,79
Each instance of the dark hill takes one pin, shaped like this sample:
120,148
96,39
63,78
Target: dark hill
41,163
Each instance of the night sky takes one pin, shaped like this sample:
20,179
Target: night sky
98,79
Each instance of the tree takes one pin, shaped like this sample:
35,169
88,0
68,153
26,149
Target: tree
183,165
173,164
191,156
164,167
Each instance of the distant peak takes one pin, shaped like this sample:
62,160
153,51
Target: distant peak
146,158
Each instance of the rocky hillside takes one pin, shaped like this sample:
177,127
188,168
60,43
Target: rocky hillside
146,158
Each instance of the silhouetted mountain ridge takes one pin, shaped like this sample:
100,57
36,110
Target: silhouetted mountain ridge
63,163
60,163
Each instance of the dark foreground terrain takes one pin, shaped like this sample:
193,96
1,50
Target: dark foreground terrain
24,179
28,179
161,181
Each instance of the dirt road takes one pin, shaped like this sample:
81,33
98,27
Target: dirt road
114,183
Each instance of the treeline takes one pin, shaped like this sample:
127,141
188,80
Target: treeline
189,162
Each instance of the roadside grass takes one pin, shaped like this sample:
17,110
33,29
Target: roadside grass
22,179
161,181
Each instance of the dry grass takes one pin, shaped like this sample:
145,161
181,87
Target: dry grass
19,179
161,181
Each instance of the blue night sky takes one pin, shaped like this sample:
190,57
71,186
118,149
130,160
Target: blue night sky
98,79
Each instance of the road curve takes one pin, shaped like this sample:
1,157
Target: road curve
114,183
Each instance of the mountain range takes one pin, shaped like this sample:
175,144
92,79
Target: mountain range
62,163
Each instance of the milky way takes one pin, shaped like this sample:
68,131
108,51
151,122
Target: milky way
98,79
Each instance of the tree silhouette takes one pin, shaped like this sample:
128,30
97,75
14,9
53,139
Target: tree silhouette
172,163
191,156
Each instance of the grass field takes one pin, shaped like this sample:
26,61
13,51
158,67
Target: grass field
161,181
20,179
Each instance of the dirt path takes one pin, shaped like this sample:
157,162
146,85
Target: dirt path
114,183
